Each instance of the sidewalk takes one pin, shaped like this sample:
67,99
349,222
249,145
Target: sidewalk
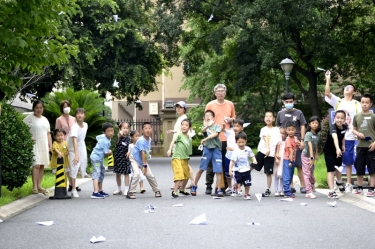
21,205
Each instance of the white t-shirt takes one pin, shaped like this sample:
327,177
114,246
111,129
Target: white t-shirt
241,159
231,142
80,134
352,107
274,136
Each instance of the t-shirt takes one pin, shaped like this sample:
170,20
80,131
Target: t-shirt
314,139
352,107
272,135
78,132
231,142
65,124
290,142
177,125
101,148
365,124
142,144
221,111
213,142
284,116
329,146
183,148
241,159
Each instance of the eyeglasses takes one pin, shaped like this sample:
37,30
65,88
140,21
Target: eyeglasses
220,91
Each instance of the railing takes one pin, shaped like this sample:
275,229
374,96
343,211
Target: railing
157,128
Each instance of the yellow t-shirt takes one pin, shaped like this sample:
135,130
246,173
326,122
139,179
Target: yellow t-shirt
63,148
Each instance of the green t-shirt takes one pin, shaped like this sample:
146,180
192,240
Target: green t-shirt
213,142
365,124
183,147
314,139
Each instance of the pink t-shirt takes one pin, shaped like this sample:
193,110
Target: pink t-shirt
65,124
290,142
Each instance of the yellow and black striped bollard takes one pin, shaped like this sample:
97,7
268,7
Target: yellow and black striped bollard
60,183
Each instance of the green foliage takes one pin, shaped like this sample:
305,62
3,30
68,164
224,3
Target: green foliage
17,148
30,39
90,101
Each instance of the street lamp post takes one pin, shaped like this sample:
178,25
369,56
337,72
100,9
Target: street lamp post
287,67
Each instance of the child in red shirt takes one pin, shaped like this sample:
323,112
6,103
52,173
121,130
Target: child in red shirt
289,158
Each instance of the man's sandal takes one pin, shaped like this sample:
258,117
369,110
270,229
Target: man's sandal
157,194
130,196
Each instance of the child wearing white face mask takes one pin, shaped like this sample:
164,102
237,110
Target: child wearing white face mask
65,121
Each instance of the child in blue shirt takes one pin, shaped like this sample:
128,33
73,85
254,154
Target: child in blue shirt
138,159
101,150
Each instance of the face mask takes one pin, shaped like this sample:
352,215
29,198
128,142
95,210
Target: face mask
67,110
289,106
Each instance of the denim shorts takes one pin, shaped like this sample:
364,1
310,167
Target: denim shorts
211,155
98,171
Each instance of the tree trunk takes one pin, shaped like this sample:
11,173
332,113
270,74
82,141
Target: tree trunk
313,96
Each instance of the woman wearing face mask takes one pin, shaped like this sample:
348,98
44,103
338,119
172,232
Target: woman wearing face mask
65,121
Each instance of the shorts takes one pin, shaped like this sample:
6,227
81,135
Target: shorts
98,171
298,161
211,155
348,155
227,163
73,170
365,157
332,160
180,169
267,162
243,178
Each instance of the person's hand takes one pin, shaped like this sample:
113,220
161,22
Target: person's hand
267,153
120,133
328,74
169,152
311,163
230,148
301,145
127,154
67,153
338,153
361,136
277,159
144,170
255,161
203,141
343,148
76,160
371,147
59,155
170,131
277,156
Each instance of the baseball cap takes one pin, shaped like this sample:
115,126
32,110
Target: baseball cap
181,103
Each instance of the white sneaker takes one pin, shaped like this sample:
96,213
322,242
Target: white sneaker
348,188
277,194
239,194
75,193
311,196
228,190
117,192
126,192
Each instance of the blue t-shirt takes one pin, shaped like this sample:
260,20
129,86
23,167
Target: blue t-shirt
141,145
241,159
101,148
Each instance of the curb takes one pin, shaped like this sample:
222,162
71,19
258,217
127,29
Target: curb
14,208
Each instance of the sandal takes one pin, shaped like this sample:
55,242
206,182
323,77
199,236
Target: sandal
130,196
157,194
35,191
42,190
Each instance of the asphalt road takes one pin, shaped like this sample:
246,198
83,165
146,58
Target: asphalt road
124,223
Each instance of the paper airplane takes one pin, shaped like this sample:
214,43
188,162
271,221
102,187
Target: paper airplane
150,207
339,168
30,95
218,197
321,69
149,211
1,220
192,133
97,239
258,196
116,17
61,13
253,223
211,17
332,204
303,203
178,205
246,125
286,199
115,84
46,42
199,220
45,223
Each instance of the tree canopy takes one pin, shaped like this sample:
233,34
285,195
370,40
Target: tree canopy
241,43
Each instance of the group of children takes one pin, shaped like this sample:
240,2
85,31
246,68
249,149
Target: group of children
276,153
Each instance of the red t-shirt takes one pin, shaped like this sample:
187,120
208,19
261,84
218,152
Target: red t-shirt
290,142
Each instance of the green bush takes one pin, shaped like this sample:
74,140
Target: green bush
90,101
17,148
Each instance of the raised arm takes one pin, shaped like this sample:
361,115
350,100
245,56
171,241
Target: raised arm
327,90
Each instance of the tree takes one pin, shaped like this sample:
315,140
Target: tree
244,42
30,39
